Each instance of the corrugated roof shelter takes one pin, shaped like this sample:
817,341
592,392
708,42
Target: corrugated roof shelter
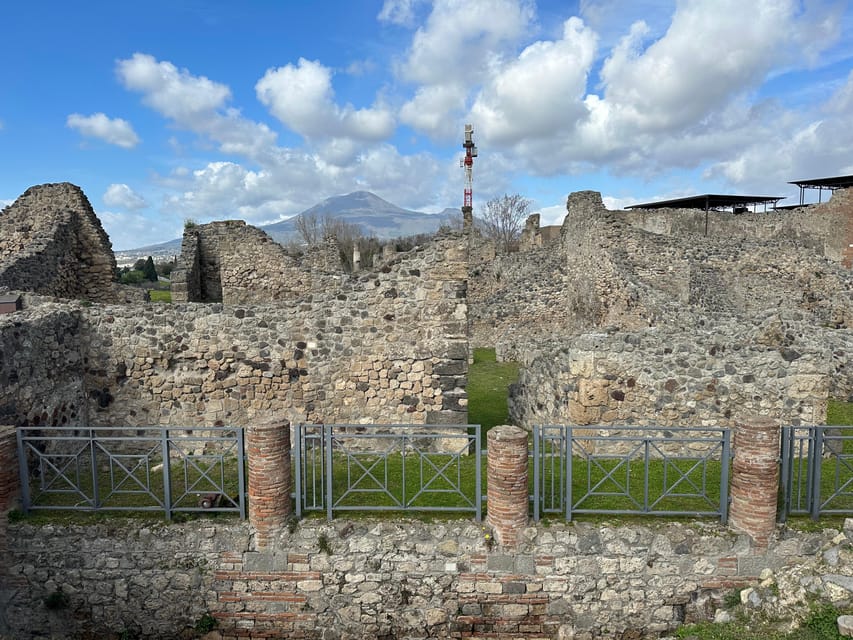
708,201
838,182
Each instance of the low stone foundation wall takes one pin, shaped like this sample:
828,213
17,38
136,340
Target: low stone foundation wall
401,578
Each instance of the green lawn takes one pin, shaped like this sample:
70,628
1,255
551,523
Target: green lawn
488,382
160,295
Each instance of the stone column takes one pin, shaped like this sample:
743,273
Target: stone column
508,499
755,480
9,481
268,450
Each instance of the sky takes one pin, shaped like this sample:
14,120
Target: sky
169,110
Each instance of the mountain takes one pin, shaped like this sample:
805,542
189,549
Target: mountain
375,216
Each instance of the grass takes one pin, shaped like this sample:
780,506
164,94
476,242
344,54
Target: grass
441,481
839,413
160,295
820,624
488,382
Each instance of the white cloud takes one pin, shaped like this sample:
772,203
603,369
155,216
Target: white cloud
792,146
400,12
123,197
301,97
173,92
114,131
454,51
553,215
541,91
195,103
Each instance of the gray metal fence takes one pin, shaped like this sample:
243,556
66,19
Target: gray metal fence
817,471
165,469
631,470
399,467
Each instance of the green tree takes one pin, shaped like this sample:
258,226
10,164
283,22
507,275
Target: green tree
150,270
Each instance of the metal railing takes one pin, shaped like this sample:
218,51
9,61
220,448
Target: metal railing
398,467
817,471
165,469
631,470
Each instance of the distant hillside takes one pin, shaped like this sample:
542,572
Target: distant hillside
375,216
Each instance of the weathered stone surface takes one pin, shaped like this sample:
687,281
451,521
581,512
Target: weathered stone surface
389,579
51,242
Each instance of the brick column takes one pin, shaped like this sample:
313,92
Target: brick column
755,480
268,450
508,499
9,481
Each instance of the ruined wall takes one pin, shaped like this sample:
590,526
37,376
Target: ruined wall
712,373
41,368
235,263
646,268
383,579
826,228
52,243
390,346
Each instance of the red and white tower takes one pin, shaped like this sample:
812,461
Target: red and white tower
468,164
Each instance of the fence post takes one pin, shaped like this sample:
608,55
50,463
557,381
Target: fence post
755,480
268,451
9,467
508,497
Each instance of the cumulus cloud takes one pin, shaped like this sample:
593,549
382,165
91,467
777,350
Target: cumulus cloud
123,197
301,97
114,131
541,91
194,103
792,146
459,44
677,97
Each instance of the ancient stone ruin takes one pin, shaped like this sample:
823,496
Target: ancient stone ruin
640,318
52,243
622,318
389,345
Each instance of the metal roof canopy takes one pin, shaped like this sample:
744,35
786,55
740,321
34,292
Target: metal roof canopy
709,201
837,182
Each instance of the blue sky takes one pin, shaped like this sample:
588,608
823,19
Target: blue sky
168,110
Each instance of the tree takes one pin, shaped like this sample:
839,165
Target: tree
502,220
313,229
149,270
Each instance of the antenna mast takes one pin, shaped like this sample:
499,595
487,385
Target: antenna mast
468,164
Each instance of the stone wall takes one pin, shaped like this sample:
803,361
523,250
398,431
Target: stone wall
235,263
826,228
52,243
712,372
383,579
41,367
390,346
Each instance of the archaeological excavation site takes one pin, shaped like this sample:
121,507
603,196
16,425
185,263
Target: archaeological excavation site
259,418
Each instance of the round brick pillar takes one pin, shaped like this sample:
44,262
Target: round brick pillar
268,450
508,499
755,480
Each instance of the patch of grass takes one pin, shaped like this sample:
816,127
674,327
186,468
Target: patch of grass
820,624
839,413
488,383
160,295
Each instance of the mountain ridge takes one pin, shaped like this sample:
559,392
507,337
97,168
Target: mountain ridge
374,215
